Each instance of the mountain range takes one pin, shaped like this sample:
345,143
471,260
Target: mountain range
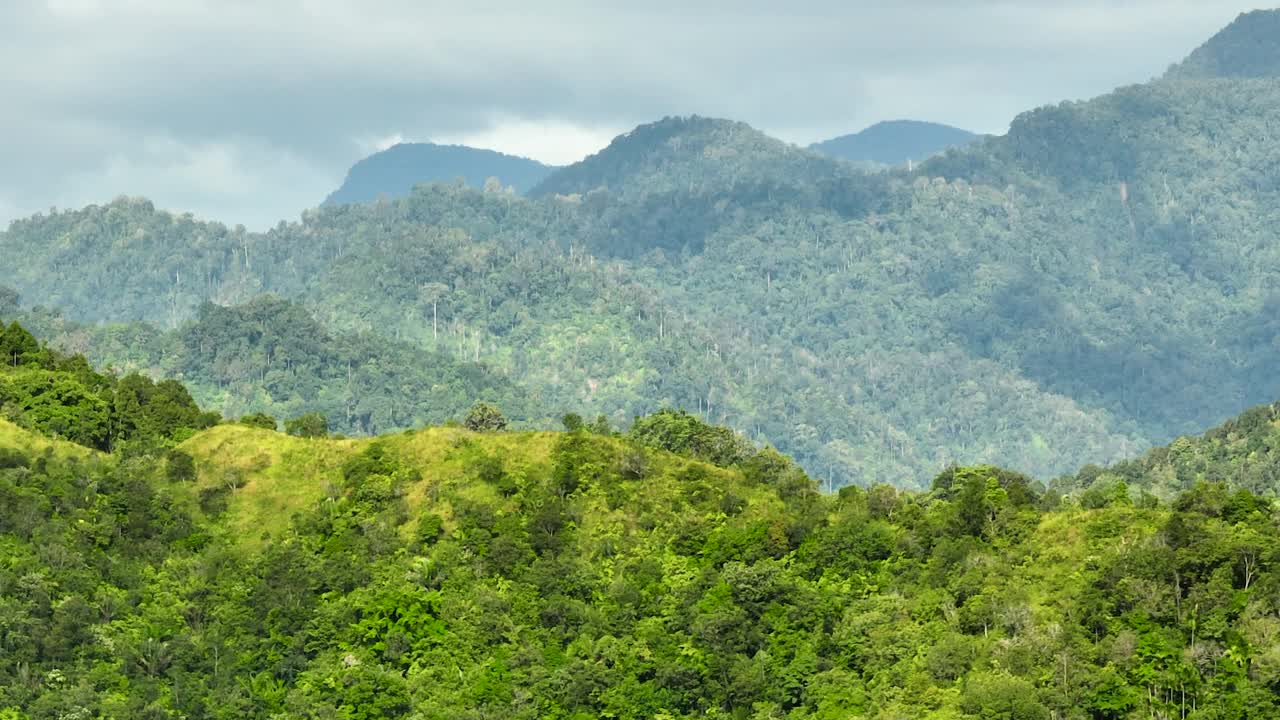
471,454
393,173
1097,281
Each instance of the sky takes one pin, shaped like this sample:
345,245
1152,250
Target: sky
250,111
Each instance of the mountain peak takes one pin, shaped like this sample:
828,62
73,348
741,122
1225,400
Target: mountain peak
692,152
395,171
894,142
1247,48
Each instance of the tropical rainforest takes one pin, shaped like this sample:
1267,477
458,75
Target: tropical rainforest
706,425
157,561
1096,282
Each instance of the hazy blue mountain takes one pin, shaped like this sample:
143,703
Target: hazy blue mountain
1247,48
393,172
894,142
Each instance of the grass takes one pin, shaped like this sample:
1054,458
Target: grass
279,475
31,443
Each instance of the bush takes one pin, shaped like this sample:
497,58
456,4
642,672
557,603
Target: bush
260,420
430,527
13,458
308,425
485,417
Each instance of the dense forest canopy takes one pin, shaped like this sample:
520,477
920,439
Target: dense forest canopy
1244,49
1098,281
269,355
670,571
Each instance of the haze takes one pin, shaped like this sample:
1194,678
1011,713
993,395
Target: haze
268,104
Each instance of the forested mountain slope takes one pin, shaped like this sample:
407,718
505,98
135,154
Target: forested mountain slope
394,172
1244,49
1097,281
270,356
445,573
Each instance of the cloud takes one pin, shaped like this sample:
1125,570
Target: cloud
250,110
552,142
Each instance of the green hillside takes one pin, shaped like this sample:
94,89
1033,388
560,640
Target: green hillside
1243,452
447,573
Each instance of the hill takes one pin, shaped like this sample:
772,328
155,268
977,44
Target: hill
394,172
895,142
1243,452
1244,49
688,155
669,572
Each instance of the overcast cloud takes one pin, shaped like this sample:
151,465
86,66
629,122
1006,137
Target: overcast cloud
250,111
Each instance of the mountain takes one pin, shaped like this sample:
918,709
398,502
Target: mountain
667,572
1244,49
1096,282
686,155
895,142
393,172
667,186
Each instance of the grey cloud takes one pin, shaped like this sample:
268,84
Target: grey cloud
250,111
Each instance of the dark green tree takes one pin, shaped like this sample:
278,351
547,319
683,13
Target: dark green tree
485,417
309,425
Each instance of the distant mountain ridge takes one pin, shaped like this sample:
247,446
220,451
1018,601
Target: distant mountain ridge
894,142
1097,281
392,173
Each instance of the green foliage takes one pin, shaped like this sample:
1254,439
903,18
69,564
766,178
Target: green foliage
180,466
682,433
1244,451
997,697
260,420
530,575
485,417
17,346
309,425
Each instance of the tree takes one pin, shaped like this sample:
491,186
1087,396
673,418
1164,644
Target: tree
260,420
1002,697
431,293
180,466
10,301
309,425
17,346
485,417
